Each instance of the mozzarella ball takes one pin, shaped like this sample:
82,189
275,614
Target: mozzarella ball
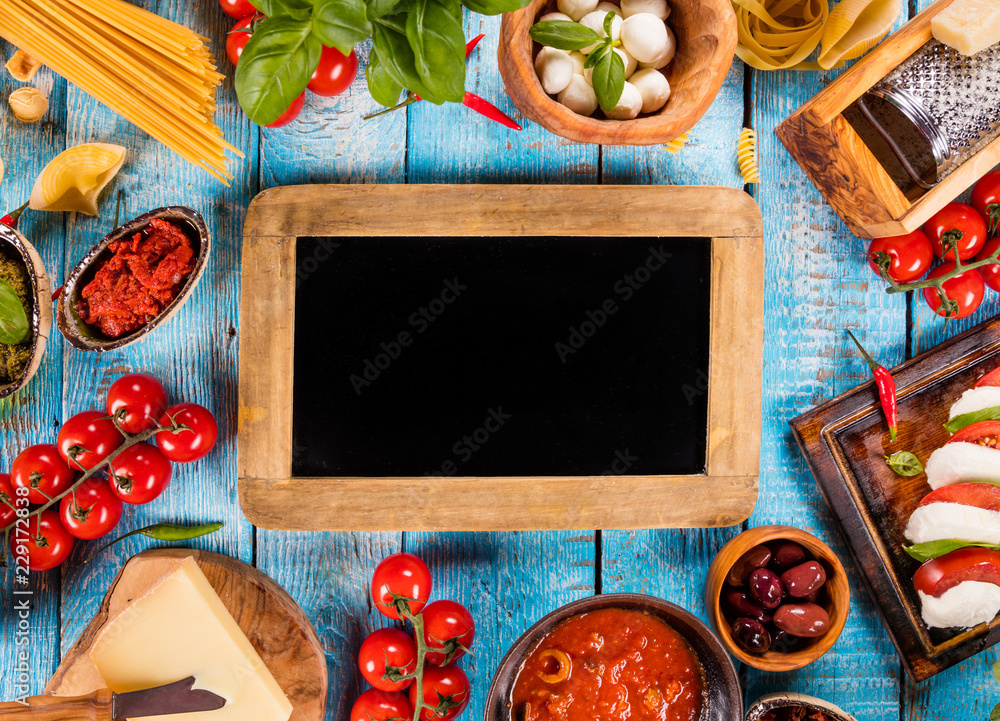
578,59
595,21
555,16
659,8
629,104
629,61
610,8
653,87
666,56
554,68
579,96
576,9
645,37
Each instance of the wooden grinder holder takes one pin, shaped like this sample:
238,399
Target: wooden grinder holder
846,172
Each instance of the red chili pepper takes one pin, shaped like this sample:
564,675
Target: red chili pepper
886,388
471,45
10,220
491,111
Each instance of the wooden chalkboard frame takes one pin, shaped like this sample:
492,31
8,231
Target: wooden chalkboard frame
724,495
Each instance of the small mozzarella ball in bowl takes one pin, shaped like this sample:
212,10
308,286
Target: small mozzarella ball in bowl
645,37
555,69
630,66
555,16
609,8
579,96
578,59
653,87
668,54
659,8
629,104
576,9
595,21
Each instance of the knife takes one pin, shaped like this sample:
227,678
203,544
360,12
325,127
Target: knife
104,705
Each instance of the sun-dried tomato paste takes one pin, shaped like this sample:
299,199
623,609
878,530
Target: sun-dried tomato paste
614,664
139,280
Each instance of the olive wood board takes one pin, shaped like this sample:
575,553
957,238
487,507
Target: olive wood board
845,442
274,623
724,494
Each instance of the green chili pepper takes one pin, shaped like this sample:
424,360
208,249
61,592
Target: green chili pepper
166,532
904,463
967,419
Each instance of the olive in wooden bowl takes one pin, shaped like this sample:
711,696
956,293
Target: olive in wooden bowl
134,279
788,706
21,267
706,39
778,597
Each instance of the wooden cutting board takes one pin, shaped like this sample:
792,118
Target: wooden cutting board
274,623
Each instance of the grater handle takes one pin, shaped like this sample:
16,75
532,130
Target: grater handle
891,142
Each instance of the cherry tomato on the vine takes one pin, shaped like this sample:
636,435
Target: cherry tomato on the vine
403,575
446,691
910,255
291,113
376,705
140,473
42,470
95,511
990,273
143,399
91,436
237,9
384,652
46,543
192,443
447,625
8,503
966,289
335,72
986,199
239,36
962,225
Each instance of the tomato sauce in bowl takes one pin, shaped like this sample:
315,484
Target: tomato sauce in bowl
611,664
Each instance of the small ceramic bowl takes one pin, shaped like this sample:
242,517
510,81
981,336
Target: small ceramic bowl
773,701
836,598
706,40
87,337
16,245
724,696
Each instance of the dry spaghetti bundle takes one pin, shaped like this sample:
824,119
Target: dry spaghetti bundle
153,72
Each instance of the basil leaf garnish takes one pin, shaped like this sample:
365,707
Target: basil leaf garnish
13,318
904,463
933,549
563,35
609,79
967,419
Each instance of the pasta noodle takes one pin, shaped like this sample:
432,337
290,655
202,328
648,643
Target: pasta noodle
746,154
153,72
677,144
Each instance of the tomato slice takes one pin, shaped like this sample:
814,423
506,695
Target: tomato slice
984,433
990,379
980,495
966,564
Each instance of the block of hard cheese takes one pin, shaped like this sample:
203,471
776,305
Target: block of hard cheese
969,26
179,629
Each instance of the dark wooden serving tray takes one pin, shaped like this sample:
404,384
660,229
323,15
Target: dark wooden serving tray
845,441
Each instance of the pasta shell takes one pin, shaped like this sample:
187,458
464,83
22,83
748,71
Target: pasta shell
74,178
854,27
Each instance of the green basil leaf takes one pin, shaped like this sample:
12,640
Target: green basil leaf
967,419
396,55
13,318
904,463
995,713
609,20
295,9
996,672
609,79
275,67
341,24
594,56
563,34
380,8
494,7
933,549
383,89
437,38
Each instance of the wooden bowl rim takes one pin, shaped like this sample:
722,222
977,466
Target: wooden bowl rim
783,699
41,312
839,596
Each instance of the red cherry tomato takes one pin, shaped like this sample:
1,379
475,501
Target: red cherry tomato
962,224
910,255
140,398
237,9
42,470
966,564
140,473
447,625
45,544
986,199
403,575
990,273
990,379
335,72
983,433
289,115
8,503
383,653
195,441
96,511
446,691
376,705
966,289
239,36
91,436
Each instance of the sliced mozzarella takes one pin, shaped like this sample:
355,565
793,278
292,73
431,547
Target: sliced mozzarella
976,399
963,463
940,521
967,604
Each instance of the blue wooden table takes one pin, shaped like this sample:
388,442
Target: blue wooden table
817,284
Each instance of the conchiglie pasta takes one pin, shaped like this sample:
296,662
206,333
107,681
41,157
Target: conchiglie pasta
73,179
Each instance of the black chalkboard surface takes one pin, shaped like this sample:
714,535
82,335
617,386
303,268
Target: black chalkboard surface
504,356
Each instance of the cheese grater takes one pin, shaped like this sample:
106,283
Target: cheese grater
952,100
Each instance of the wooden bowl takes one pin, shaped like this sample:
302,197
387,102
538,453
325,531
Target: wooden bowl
788,699
41,307
706,40
723,695
837,601
86,337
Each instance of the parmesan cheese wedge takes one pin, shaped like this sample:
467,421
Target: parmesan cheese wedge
181,628
969,26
